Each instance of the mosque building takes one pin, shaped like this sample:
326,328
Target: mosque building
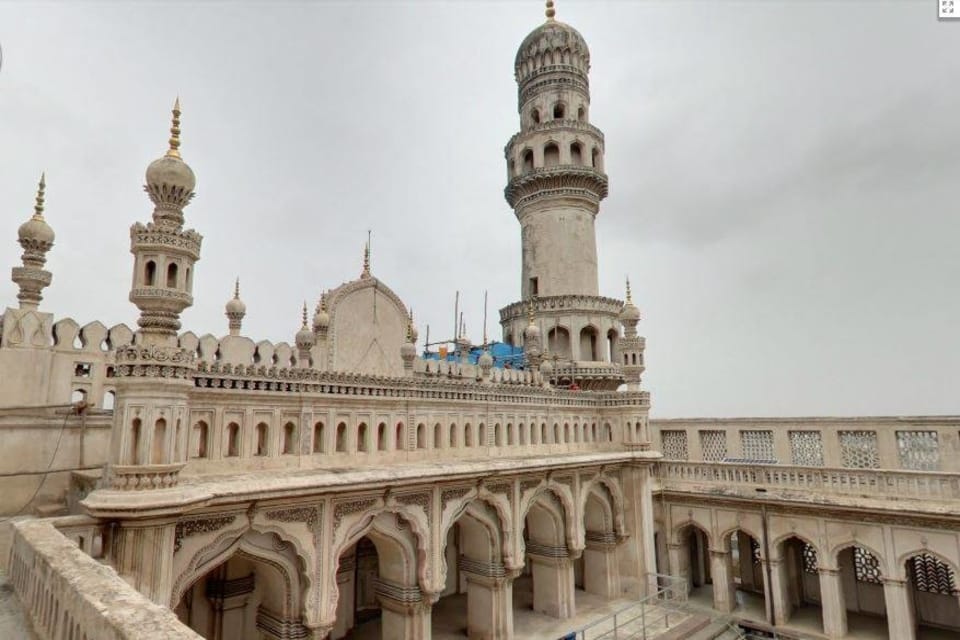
352,485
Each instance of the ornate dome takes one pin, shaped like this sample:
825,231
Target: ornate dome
555,37
630,313
36,230
305,338
170,180
235,305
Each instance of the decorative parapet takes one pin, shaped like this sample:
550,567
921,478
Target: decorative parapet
152,235
589,375
92,599
144,361
143,476
806,482
545,305
560,180
293,380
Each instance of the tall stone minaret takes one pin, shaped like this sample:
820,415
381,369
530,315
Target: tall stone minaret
555,185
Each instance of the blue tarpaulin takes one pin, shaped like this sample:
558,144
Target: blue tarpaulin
502,353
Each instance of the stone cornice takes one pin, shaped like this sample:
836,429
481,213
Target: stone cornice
566,180
198,492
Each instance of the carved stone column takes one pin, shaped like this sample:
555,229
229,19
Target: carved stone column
228,597
679,558
901,618
601,570
405,612
724,589
489,599
778,593
553,580
834,609
142,553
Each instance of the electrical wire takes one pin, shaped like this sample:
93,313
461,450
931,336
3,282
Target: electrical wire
46,473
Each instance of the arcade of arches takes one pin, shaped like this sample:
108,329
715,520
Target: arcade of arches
812,574
367,567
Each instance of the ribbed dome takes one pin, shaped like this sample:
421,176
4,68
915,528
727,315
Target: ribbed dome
35,230
630,312
552,36
235,305
172,172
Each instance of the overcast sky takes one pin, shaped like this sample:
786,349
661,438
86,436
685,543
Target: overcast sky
784,176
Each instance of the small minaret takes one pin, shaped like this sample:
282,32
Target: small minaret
408,350
235,310
164,252
36,237
305,339
148,443
630,347
532,349
365,273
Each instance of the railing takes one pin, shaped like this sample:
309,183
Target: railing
68,594
858,482
645,618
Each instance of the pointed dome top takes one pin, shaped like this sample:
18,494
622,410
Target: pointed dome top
630,312
305,338
36,229
235,305
170,180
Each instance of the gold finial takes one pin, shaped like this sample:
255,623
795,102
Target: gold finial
629,297
323,301
551,12
174,150
304,314
38,207
236,289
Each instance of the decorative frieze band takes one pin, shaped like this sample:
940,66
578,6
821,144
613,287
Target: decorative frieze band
346,508
308,515
190,528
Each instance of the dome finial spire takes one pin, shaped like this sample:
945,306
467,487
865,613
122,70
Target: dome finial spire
41,188
174,150
629,297
304,314
551,12
366,258
236,289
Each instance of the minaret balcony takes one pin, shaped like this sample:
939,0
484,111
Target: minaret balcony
564,180
544,306
554,125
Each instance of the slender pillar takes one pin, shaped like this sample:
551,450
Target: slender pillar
346,602
832,602
601,571
489,604
776,592
724,589
553,581
901,619
679,556
142,553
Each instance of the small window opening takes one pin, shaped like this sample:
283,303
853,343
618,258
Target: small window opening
534,286
82,370
172,275
535,116
558,111
150,273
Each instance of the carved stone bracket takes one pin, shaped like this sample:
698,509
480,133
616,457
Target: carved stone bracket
188,528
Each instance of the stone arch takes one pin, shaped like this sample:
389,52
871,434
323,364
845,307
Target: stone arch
565,498
399,534
901,571
551,154
777,543
850,543
723,539
269,545
493,520
692,521
616,498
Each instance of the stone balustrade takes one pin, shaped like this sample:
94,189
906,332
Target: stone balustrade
68,594
144,476
548,304
873,483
